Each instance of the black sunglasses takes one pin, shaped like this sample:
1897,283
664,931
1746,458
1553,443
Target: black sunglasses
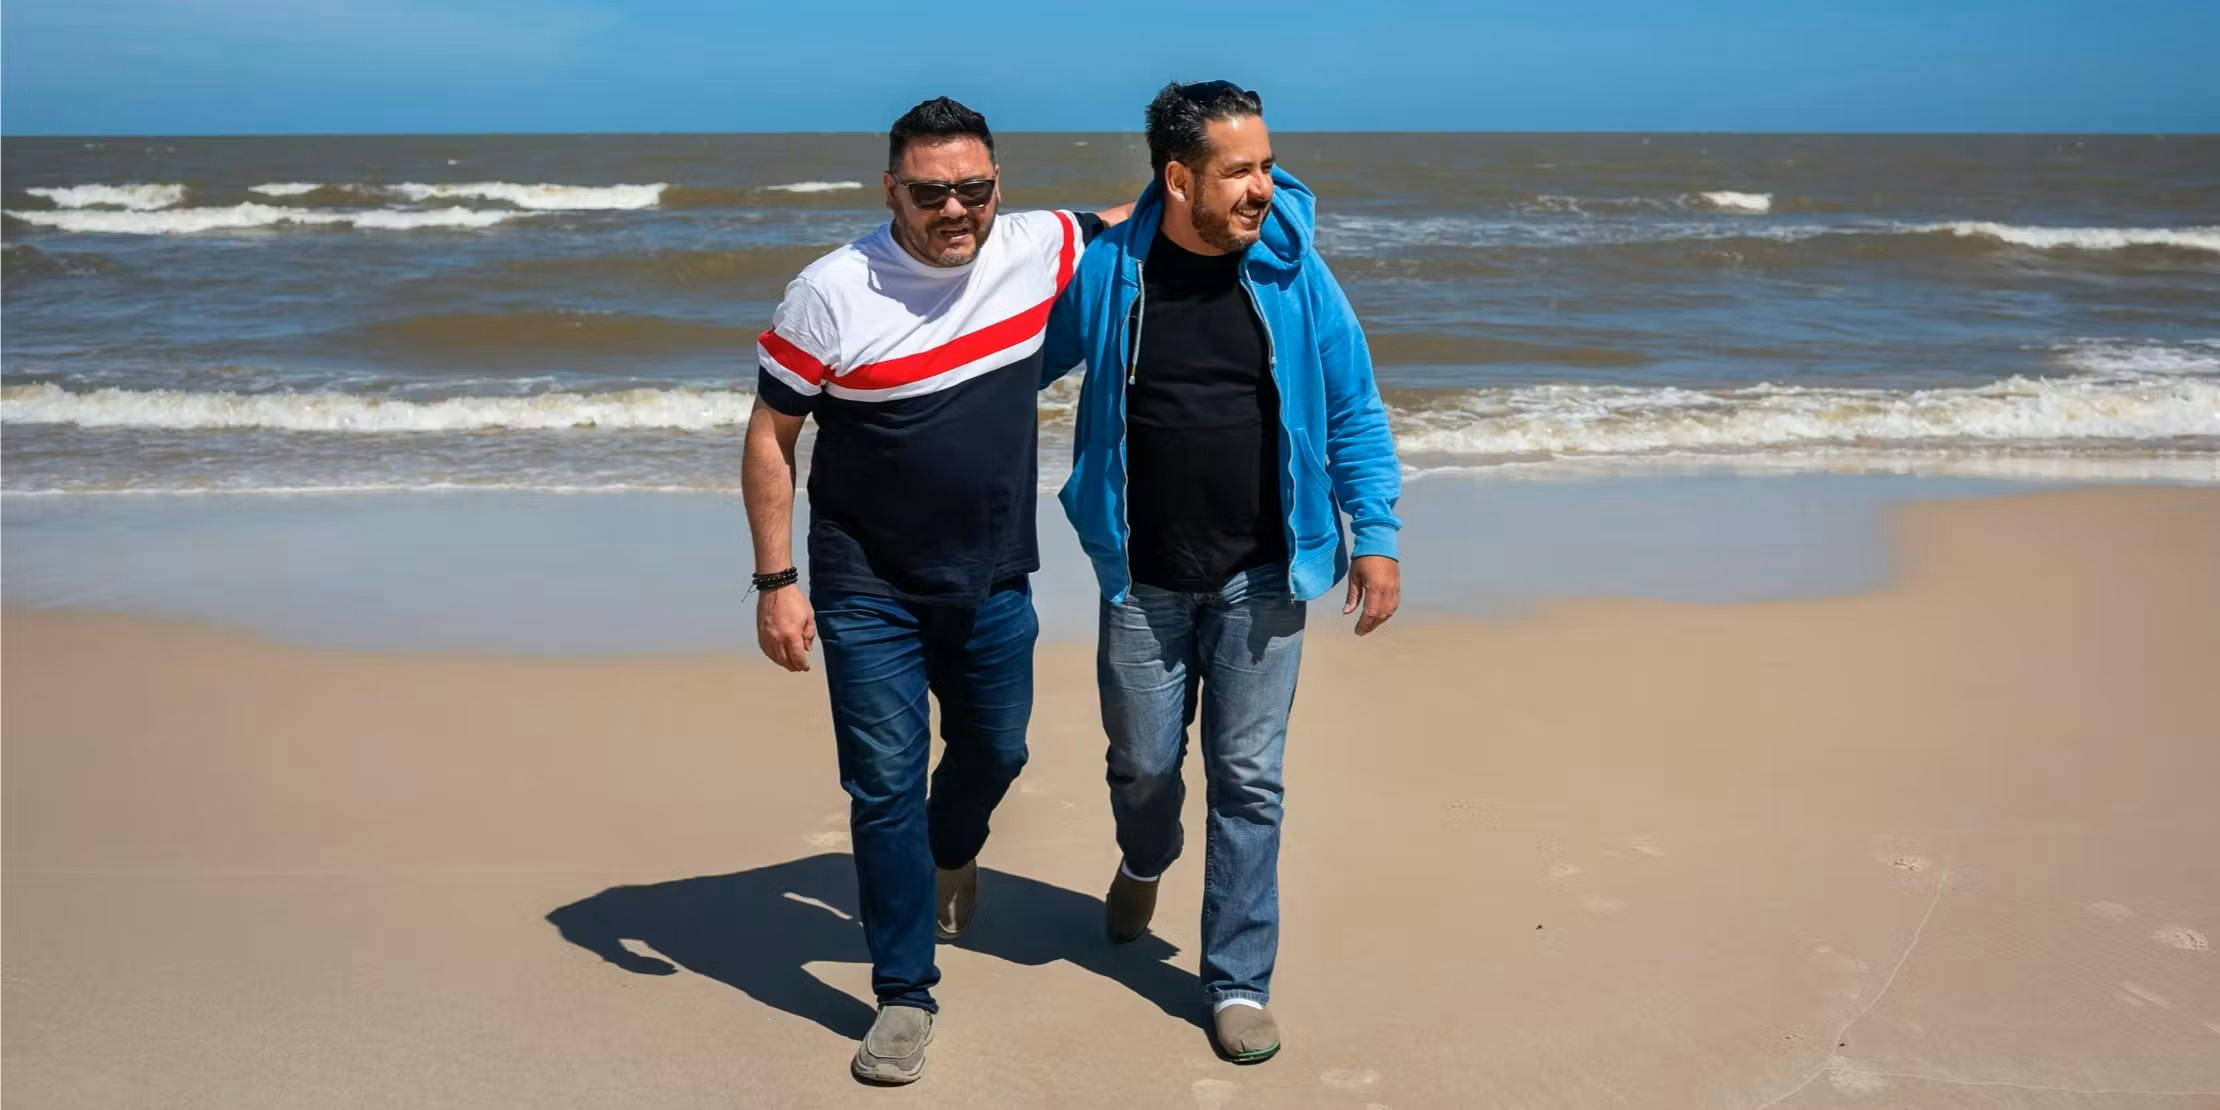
974,193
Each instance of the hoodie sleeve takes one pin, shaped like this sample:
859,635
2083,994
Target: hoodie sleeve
1061,348
1360,448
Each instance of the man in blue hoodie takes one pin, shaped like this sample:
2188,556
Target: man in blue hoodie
1227,422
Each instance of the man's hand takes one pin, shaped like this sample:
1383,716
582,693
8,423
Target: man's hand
785,626
1376,582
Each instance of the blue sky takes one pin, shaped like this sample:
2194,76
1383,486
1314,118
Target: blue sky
321,66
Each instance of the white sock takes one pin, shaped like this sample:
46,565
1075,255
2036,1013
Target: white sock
1128,873
1222,1003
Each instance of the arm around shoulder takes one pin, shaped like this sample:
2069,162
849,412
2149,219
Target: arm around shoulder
1062,347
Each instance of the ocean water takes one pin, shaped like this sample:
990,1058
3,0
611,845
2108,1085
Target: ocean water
577,313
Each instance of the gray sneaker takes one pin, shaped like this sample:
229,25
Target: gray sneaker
1126,910
955,898
1246,1034
893,1052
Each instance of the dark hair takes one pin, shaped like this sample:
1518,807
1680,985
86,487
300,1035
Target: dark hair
938,118
1179,115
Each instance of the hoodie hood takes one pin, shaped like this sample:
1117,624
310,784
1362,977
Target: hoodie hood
1286,235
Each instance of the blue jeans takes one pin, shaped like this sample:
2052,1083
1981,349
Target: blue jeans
1239,649
882,656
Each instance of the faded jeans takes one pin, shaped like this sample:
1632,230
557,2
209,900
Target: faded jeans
1233,654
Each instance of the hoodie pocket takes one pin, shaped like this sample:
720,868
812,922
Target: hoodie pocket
1309,452
1313,492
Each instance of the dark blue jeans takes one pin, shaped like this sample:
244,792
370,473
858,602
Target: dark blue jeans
882,657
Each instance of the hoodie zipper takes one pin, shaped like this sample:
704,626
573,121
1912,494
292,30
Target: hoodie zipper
1272,367
1125,469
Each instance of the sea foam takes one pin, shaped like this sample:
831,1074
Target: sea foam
238,217
814,186
325,411
2082,238
2124,393
1737,202
549,198
138,198
2108,391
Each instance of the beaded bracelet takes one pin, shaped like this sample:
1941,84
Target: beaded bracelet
776,579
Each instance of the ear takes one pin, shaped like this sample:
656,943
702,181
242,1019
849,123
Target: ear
893,203
1179,181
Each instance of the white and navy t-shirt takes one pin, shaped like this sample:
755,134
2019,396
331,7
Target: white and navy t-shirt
923,380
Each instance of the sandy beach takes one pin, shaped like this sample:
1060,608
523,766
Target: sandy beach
1946,842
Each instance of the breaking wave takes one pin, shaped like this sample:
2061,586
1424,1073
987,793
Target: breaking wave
241,217
138,198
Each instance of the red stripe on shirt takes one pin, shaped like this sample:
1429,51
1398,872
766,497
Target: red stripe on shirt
796,360
974,345
1070,224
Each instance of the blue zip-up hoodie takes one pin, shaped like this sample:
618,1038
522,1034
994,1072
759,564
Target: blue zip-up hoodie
1336,452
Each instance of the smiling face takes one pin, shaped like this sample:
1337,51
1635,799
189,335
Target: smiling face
947,234
1227,195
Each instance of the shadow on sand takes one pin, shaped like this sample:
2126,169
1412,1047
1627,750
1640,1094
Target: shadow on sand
755,930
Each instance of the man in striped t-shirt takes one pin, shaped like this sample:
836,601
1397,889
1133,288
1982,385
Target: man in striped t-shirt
917,349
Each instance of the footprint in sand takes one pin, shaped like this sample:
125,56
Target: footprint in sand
2182,937
826,840
1847,1079
1210,1094
2137,995
1900,853
1349,1079
1642,844
1476,814
1560,872
2112,911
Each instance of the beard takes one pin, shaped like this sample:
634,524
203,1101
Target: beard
1215,226
925,241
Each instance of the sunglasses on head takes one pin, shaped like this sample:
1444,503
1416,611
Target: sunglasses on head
974,193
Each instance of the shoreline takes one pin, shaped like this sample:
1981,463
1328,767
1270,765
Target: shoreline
640,574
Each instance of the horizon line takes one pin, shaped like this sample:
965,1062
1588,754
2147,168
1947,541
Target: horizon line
2155,134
